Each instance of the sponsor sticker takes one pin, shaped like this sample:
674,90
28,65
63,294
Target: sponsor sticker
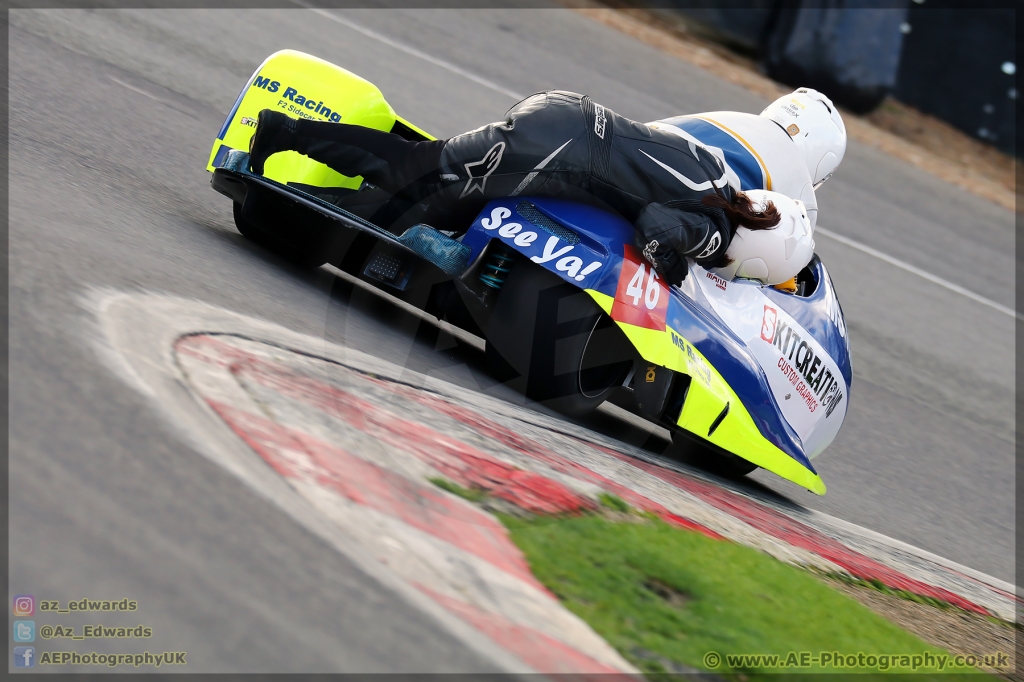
768,322
698,367
568,260
720,282
802,364
641,298
294,102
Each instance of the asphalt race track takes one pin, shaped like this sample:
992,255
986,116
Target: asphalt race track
112,114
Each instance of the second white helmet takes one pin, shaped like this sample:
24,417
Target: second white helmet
774,255
816,127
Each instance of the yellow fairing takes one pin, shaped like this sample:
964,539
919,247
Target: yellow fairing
707,396
304,86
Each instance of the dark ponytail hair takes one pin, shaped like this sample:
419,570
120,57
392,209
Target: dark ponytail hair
743,211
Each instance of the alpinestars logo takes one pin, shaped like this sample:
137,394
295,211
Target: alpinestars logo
479,171
716,240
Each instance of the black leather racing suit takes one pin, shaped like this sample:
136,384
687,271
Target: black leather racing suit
552,144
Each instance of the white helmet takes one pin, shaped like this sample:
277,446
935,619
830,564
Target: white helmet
816,127
775,255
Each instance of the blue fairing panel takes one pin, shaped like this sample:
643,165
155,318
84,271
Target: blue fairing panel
585,246
693,318
579,243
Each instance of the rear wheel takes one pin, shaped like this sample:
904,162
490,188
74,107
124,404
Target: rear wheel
552,342
690,450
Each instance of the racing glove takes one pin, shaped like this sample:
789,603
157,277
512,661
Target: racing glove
668,233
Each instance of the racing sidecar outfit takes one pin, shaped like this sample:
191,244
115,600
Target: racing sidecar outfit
552,143
758,153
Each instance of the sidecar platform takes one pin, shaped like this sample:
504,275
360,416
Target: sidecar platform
234,180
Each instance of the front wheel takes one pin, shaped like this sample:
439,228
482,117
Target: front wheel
690,450
305,253
292,230
554,343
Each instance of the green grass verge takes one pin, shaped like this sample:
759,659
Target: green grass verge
613,502
879,586
664,596
473,495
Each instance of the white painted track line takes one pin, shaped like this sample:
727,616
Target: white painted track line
919,272
138,90
411,51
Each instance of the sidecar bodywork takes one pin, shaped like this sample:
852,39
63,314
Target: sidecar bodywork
751,371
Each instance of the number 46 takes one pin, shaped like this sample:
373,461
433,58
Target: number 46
635,288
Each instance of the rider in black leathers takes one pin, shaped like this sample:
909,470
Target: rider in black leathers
552,144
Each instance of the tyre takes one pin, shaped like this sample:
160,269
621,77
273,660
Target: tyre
290,230
549,340
303,255
691,450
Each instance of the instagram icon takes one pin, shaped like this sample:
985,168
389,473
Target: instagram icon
24,605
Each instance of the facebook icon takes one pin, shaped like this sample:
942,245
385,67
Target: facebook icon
24,656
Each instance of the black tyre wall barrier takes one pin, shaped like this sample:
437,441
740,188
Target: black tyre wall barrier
845,48
959,65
